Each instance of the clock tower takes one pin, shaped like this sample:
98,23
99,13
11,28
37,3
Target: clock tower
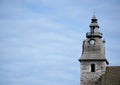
93,61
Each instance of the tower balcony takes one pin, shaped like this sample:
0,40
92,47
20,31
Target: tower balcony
95,34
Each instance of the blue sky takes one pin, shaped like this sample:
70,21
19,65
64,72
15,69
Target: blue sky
41,40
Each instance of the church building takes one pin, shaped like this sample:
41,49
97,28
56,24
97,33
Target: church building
94,65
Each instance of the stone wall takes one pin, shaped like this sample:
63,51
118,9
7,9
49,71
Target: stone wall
91,78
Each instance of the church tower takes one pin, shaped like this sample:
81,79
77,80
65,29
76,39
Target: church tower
93,61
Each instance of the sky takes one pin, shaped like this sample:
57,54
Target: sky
41,40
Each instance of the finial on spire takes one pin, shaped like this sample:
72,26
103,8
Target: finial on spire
94,12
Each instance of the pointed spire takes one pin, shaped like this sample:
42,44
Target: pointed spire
94,15
94,22
94,28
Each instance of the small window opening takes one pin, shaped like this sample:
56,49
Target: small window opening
92,67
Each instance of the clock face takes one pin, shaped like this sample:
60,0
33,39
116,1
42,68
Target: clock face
92,42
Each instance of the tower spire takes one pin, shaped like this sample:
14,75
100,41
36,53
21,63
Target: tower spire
94,28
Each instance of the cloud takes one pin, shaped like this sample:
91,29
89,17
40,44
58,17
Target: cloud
41,40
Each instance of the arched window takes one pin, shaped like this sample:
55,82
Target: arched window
92,67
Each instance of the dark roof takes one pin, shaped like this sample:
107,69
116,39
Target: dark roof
94,60
111,76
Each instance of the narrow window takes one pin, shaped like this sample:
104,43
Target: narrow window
92,67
